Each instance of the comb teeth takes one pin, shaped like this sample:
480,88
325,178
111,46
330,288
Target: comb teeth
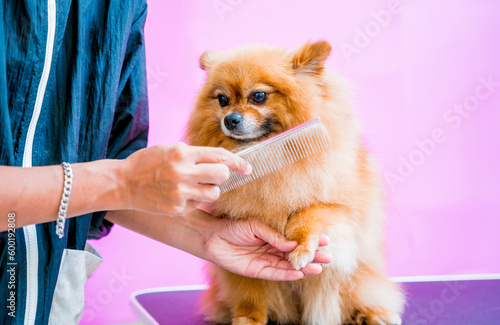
279,151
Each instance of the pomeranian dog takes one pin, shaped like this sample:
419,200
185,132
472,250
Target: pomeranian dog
253,93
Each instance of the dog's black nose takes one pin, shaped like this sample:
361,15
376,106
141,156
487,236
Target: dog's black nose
231,121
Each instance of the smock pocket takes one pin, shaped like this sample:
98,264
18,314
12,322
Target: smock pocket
68,301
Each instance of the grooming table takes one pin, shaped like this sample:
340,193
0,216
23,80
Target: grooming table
454,300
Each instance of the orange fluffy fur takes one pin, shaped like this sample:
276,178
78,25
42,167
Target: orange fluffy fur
336,192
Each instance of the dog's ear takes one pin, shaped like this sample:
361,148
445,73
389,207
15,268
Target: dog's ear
208,60
311,57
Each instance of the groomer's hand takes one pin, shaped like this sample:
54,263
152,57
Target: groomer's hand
175,179
252,249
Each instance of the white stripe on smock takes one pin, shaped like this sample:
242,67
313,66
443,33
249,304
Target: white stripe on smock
30,231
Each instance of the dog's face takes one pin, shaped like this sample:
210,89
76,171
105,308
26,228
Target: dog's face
254,93
245,110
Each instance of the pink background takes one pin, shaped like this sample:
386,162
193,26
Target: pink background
410,68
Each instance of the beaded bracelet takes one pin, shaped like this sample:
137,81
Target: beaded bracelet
63,208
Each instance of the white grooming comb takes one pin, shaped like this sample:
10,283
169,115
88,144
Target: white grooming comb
279,151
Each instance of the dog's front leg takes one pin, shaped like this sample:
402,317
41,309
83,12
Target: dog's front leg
304,226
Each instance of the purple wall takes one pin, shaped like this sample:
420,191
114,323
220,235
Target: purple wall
427,75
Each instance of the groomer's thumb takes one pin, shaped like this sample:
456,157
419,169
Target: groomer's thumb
272,237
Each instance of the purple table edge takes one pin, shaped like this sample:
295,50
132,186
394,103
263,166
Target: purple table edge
440,300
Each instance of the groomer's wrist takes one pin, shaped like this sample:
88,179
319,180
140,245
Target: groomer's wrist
201,226
102,184
120,171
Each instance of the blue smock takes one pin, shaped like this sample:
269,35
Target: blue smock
72,88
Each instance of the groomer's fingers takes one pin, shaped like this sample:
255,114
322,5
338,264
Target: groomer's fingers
312,269
324,240
272,237
323,257
222,156
210,173
280,273
204,193
180,211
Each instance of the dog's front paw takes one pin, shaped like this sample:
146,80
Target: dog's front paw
304,253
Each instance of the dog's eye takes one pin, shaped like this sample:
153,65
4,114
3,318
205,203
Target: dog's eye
258,97
223,100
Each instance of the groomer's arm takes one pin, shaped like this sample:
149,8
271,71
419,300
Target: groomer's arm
188,233
170,179
33,195
245,247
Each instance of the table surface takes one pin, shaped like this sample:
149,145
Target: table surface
450,302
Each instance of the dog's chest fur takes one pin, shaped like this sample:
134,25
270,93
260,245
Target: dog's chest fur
274,197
